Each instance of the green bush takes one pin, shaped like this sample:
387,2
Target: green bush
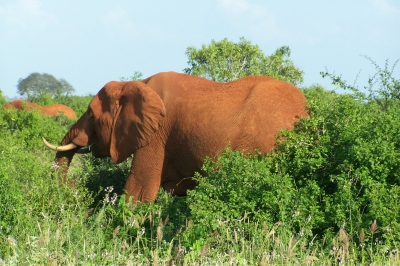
353,158
30,126
29,192
78,103
2,99
247,187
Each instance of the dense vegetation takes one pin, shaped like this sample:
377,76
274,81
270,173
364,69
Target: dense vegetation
329,194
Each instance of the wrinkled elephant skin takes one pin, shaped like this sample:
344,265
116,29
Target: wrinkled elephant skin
171,122
51,110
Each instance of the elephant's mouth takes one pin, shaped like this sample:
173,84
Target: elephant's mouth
67,147
86,149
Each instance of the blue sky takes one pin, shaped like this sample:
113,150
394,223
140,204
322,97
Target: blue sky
89,43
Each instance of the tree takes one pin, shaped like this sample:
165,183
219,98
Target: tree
225,61
136,76
388,90
37,85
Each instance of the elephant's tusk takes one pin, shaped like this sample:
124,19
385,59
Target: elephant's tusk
67,147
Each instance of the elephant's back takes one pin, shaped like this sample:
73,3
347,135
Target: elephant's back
246,114
57,108
269,107
20,104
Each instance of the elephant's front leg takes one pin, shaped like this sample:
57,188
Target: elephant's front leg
145,175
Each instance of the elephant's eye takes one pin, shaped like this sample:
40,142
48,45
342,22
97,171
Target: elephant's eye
90,114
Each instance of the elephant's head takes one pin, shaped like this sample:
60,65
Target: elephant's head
120,119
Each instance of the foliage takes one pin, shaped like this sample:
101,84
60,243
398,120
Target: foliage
225,61
37,85
388,90
245,187
2,99
29,126
136,76
388,87
78,103
22,173
352,157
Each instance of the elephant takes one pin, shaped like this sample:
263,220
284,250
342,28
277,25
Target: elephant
170,122
51,110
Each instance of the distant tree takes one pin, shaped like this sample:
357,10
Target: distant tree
225,61
136,76
38,85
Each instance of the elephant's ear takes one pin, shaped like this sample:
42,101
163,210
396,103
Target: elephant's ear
138,116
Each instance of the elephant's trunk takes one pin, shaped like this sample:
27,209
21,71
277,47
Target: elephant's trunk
64,158
65,152
62,161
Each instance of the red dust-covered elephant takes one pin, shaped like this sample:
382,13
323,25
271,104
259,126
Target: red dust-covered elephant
51,110
171,122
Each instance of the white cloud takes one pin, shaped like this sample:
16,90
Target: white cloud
237,7
118,21
26,14
385,7
259,18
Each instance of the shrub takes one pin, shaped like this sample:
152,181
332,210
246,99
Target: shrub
29,192
31,126
78,103
2,99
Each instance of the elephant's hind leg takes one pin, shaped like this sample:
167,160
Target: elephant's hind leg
175,183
